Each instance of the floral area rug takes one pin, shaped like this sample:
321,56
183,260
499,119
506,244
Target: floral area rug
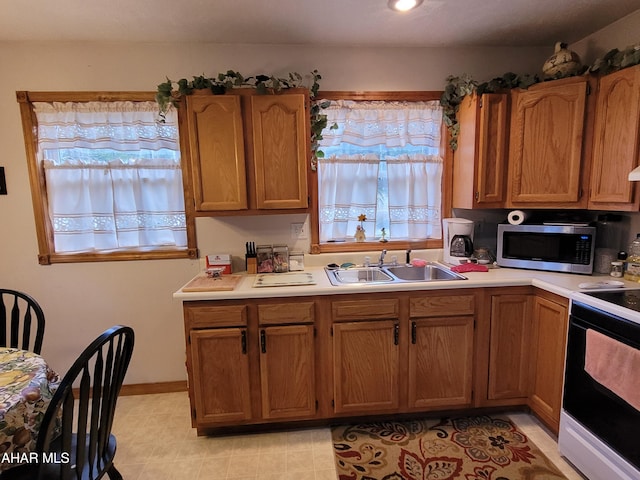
469,448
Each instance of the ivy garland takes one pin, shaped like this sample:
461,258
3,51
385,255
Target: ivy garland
168,95
458,87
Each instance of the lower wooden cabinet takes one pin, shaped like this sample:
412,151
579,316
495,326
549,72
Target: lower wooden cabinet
509,347
315,358
548,341
415,361
440,362
527,342
287,371
219,383
366,359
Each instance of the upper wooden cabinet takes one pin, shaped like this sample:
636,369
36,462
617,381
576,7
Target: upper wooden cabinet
546,162
480,161
616,141
247,152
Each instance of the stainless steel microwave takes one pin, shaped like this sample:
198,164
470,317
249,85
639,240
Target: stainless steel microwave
556,248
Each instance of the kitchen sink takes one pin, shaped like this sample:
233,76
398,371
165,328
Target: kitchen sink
349,276
428,273
431,272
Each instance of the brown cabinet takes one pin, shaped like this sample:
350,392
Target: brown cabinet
275,360
546,154
250,362
287,359
509,347
287,372
480,161
548,341
385,359
247,152
616,141
220,385
366,355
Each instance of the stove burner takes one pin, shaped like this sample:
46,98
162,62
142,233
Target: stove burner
624,298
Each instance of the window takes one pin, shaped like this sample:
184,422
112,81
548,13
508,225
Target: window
106,178
383,168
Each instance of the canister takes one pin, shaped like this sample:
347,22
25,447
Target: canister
296,261
264,258
280,258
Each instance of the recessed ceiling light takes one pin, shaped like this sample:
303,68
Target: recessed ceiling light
404,5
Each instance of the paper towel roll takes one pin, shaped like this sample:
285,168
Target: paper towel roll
516,217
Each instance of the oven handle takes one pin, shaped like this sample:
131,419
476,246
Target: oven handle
585,324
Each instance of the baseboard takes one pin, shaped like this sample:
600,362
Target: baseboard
149,388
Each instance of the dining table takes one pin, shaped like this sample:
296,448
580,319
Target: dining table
27,384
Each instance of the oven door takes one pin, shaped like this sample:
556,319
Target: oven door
599,410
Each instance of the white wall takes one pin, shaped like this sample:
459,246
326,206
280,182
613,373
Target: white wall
81,300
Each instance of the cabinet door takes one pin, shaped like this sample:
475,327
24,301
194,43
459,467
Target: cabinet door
220,375
366,366
509,346
440,362
616,141
479,168
216,144
547,365
545,156
280,150
287,371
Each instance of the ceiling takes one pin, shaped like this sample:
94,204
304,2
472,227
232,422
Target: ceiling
312,22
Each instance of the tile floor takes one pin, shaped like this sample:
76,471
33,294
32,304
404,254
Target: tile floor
156,442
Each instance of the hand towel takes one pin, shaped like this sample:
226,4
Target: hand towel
614,365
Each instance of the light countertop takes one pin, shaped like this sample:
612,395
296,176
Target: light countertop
562,284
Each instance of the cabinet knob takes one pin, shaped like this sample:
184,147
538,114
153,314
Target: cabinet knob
263,341
396,334
414,336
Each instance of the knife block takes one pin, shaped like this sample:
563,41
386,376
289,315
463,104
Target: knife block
252,265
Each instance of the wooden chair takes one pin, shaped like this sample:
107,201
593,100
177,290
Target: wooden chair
21,321
76,428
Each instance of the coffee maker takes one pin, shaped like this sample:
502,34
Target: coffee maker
457,240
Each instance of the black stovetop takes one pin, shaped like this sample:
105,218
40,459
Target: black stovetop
625,298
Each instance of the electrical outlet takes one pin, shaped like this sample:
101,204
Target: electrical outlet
298,232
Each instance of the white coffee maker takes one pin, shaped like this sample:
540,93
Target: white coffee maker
457,240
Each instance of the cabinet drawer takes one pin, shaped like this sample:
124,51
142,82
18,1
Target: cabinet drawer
216,316
279,313
365,309
441,305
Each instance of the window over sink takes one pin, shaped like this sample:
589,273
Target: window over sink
381,172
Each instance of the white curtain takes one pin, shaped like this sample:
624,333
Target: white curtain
404,195
113,176
347,188
414,196
393,124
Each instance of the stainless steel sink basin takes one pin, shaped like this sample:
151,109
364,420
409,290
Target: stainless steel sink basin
428,273
432,272
349,276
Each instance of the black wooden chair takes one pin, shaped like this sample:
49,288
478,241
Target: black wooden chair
75,440
21,321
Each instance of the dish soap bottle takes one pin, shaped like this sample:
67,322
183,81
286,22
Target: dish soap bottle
632,270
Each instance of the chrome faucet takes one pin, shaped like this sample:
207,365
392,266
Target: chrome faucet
381,259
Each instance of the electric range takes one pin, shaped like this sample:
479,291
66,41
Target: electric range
598,421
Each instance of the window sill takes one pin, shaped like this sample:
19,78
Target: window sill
333,247
157,254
